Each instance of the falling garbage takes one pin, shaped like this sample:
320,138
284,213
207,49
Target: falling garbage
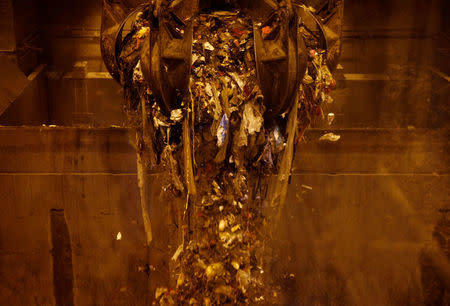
221,149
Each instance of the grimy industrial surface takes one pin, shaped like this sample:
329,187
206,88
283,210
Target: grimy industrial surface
359,212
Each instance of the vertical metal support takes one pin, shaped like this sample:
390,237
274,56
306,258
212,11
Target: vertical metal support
81,116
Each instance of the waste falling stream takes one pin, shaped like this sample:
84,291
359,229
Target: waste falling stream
226,155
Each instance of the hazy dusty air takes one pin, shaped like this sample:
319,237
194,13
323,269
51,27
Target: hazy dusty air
224,152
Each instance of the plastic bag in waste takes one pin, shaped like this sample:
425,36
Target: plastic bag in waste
330,137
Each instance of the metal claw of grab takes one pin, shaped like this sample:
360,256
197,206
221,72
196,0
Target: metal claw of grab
280,50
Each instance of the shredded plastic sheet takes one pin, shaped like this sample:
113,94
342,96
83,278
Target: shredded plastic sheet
330,137
222,131
252,122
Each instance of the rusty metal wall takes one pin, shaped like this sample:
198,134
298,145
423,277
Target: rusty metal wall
359,212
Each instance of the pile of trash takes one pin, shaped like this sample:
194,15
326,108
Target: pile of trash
221,155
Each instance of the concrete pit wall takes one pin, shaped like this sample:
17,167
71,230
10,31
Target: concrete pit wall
359,213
